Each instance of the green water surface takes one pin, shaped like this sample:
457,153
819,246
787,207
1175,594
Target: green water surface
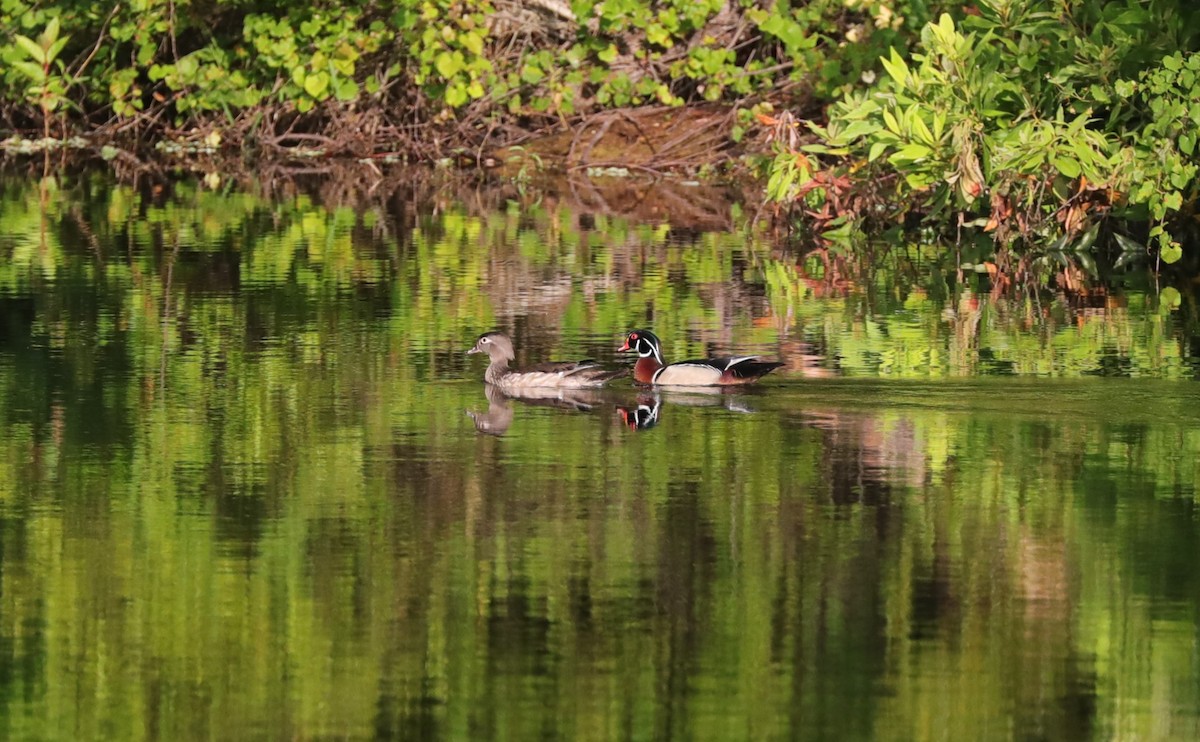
241,496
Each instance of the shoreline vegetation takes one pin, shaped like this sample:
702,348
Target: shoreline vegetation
1030,134
469,82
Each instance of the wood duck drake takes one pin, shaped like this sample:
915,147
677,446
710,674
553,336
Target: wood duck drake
651,369
556,374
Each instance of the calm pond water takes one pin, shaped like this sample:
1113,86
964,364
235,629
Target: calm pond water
241,495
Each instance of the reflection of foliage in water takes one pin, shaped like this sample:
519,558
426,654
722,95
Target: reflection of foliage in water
903,313
223,511
439,279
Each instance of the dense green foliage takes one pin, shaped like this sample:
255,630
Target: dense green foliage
239,497
264,68
1030,118
1047,123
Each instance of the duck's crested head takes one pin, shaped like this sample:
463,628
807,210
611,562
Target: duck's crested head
644,342
497,345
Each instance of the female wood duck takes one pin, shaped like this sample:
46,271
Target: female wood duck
651,369
560,374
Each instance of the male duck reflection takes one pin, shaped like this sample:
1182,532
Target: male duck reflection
647,411
640,416
651,369
555,374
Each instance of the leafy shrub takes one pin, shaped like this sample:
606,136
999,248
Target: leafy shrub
434,59
1023,115
1158,164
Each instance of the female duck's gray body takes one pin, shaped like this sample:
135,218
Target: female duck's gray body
556,374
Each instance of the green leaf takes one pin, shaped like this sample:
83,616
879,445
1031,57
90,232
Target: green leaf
346,89
788,31
32,71
531,74
946,25
31,48
456,95
658,35
917,181
1171,252
896,68
1085,154
187,66
316,84
448,65
889,120
1068,166
1173,63
877,149
910,153
857,129
49,35
146,52
473,43
1127,244
922,130
56,48
607,54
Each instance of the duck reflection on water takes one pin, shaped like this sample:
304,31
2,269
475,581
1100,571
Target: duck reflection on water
637,410
643,415
499,415
646,412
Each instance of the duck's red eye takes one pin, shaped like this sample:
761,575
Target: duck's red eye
633,336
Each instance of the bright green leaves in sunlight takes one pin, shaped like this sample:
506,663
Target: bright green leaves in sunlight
450,44
1160,162
319,55
1040,140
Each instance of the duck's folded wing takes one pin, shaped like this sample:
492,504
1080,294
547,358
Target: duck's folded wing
560,367
749,367
587,372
